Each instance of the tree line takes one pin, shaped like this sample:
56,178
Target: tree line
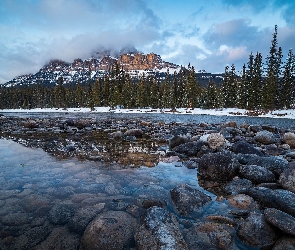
268,85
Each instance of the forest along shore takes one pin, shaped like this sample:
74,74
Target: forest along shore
252,167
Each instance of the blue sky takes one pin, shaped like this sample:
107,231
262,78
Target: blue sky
207,34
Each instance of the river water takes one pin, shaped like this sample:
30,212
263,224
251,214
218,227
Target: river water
32,181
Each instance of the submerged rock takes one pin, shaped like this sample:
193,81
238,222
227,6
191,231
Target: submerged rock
158,229
61,214
111,230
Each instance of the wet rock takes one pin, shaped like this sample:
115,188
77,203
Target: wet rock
287,179
237,184
289,138
242,201
275,164
209,235
16,219
61,192
83,217
264,137
256,232
151,203
60,238
243,147
133,210
222,219
33,202
134,132
159,229
111,230
218,167
216,141
256,174
177,140
280,199
60,214
190,148
281,220
255,128
285,243
187,199
181,131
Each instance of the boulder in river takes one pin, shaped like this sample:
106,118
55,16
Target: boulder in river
159,229
187,199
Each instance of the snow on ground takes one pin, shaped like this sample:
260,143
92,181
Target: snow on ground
288,113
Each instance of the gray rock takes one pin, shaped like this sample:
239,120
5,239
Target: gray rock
187,199
285,243
289,138
16,219
190,148
280,199
279,219
256,174
236,185
287,179
159,229
82,218
243,147
111,230
218,167
151,203
209,235
60,214
265,137
256,232
134,132
216,141
177,140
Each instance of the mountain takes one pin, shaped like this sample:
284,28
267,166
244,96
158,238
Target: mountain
135,63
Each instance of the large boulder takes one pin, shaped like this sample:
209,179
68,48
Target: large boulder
256,174
218,167
111,230
187,199
256,232
275,164
243,147
209,235
281,220
265,137
159,229
278,198
287,179
289,138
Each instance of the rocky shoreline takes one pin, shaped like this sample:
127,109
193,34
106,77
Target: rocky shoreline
249,168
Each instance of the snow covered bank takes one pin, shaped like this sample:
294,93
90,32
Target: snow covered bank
288,113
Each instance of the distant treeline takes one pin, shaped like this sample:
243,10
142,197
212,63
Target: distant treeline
268,85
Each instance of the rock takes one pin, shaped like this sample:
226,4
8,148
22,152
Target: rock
158,229
289,138
151,203
255,128
16,219
256,232
243,147
60,238
264,137
134,132
236,185
190,148
181,131
187,199
275,164
281,220
60,214
218,167
209,235
111,230
280,199
256,174
232,124
285,243
287,179
177,140
242,201
216,141
82,218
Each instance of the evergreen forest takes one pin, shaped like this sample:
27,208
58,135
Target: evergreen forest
262,84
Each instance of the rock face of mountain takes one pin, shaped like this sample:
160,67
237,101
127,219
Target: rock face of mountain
135,64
